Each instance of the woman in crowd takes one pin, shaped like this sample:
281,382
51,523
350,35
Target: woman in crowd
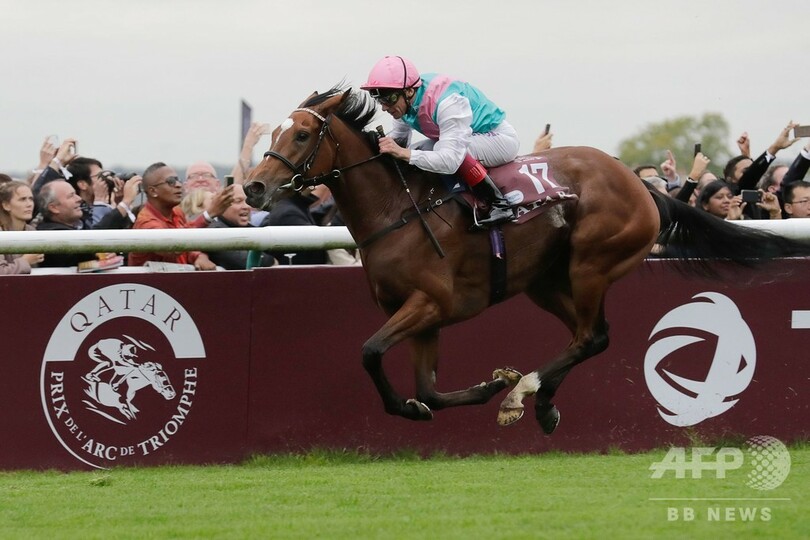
16,210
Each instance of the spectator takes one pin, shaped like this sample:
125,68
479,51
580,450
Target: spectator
46,153
61,211
242,168
291,211
743,173
57,167
195,202
543,142
658,183
202,175
646,171
735,168
716,198
669,171
690,190
162,211
236,215
797,199
771,181
325,213
16,210
86,180
798,169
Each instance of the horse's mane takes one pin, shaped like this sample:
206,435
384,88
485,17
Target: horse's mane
357,109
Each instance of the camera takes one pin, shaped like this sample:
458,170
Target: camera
127,176
108,176
751,195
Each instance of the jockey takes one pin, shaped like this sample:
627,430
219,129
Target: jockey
465,131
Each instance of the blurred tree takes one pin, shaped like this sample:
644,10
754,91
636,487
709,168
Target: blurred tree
679,135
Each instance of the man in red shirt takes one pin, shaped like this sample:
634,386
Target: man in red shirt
162,211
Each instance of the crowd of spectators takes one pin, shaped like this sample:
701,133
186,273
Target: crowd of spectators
67,191
748,188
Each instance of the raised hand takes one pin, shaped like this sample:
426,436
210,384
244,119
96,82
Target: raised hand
744,144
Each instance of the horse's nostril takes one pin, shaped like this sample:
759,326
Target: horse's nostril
254,189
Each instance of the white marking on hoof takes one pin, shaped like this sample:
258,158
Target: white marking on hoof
528,385
509,416
511,409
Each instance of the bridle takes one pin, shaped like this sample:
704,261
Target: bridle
299,181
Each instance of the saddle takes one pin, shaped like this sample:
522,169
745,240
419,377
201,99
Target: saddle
527,183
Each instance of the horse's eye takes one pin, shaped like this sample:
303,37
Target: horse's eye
301,136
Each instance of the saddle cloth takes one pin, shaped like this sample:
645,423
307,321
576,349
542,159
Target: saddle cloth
528,184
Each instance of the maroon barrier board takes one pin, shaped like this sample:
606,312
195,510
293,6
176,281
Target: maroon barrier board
121,369
107,370
722,358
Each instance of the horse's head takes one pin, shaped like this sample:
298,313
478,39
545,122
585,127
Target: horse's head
303,146
153,372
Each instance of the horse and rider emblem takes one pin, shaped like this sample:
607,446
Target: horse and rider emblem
118,376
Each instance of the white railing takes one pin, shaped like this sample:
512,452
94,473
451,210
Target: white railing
246,238
797,229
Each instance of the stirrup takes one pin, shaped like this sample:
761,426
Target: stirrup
497,215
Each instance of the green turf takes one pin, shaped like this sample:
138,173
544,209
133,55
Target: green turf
345,495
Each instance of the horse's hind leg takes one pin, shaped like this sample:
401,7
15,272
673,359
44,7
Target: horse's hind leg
582,312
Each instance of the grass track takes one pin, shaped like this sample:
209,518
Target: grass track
337,495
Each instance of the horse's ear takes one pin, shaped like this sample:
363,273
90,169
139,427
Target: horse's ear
312,95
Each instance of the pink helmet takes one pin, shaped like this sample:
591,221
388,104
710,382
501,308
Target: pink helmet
393,72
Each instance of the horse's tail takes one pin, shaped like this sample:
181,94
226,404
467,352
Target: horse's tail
694,237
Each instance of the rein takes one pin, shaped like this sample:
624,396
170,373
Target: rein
298,182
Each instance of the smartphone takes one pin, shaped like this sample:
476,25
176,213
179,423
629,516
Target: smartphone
697,148
751,195
228,180
801,131
548,129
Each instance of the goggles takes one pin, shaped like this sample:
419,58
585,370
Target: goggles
386,97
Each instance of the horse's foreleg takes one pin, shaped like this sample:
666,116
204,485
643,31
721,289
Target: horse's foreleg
417,314
425,356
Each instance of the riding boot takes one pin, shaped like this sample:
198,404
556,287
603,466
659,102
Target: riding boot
484,189
499,208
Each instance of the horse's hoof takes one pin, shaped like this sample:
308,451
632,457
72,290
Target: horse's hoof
510,375
423,412
550,420
509,415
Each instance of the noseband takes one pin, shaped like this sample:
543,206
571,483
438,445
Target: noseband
298,181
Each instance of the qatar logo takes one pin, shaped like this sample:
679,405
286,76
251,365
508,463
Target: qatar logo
120,374
684,401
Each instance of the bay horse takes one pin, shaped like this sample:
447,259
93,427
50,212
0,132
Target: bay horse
564,260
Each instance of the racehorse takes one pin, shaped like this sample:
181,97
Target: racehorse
564,260
146,374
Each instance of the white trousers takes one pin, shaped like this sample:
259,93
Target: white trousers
499,146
